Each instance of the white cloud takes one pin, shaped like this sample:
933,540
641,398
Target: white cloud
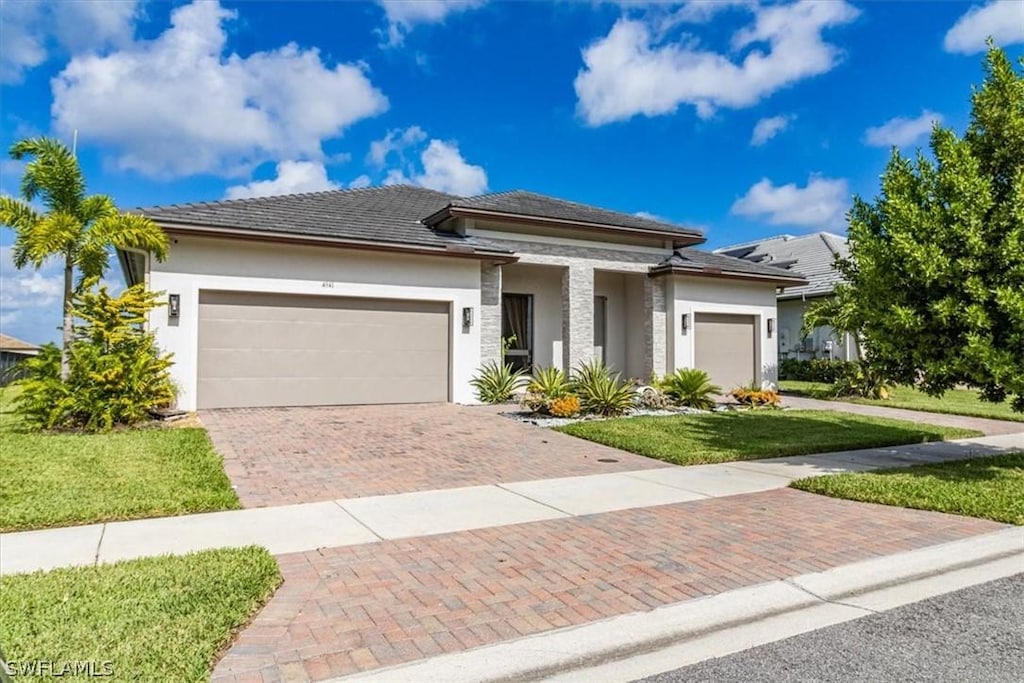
821,204
293,177
767,128
30,299
179,105
404,15
1003,20
439,165
32,30
360,182
630,72
900,132
395,142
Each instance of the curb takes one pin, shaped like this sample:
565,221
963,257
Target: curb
713,626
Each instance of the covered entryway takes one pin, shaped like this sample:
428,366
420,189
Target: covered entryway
260,350
726,348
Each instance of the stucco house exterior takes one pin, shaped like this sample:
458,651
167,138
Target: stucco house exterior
813,256
399,294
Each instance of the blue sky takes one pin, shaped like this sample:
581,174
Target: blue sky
743,119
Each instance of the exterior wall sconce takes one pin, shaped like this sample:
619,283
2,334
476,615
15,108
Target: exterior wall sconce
685,319
173,305
467,317
771,327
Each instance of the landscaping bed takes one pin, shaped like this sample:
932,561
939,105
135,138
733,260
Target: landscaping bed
155,619
68,479
751,434
954,402
991,488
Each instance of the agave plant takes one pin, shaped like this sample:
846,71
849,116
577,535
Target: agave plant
548,382
601,391
496,383
690,387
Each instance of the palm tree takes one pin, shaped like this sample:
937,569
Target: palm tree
81,229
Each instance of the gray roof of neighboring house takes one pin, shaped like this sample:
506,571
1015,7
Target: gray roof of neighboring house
709,262
813,256
523,203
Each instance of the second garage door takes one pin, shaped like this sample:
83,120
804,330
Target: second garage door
284,350
726,348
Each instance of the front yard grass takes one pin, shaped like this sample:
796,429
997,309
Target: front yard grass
954,402
747,435
991,488
54,480
155,619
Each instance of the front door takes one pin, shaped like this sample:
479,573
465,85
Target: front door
517,330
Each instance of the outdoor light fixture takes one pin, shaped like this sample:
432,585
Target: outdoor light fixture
771,327
686,321
467,317
173,305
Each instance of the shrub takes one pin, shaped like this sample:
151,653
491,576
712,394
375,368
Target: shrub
815,370
863,380
756,397
496,382
116,373
601,391
691,387
548,383
564,406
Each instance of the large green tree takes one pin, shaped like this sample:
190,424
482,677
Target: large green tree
935,278
81,230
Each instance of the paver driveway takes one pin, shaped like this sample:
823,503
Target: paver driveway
281,456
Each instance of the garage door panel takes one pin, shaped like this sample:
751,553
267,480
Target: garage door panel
267,349
726,348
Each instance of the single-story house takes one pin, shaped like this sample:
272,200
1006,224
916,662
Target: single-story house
399,294
814,257
12,352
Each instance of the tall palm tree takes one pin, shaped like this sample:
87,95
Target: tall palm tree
81,229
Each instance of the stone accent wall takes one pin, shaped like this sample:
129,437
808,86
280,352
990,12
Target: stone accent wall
490,313
655,326
564,255
577,315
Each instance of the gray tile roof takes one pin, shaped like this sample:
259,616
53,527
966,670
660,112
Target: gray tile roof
697,259
388,214
523,203
812,256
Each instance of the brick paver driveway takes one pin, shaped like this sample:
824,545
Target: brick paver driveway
356,608
281,456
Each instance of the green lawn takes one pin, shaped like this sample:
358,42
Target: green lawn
954,402
155,619
747,435
992,488
66,479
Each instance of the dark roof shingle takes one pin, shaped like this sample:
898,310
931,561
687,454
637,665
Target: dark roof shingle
689,258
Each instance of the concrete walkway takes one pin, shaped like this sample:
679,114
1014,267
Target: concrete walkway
296,528
984,425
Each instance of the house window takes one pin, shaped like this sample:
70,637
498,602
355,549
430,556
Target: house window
600,327
517,329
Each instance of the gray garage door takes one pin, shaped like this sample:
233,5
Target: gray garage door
284,350
726,348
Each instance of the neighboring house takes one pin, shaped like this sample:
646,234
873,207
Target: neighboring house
398,294
12,353
813,256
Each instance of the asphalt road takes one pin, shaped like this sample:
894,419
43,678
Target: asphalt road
971,635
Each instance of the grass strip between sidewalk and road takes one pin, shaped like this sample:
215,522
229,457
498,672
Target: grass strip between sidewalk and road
752,434
53,479
163,618
953,402
990,488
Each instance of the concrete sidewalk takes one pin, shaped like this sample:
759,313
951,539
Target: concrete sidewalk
296,528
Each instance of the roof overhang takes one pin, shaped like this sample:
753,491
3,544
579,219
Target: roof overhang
777,280
679,238
452,251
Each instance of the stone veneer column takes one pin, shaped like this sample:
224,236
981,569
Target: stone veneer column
655,339
490,313
577,315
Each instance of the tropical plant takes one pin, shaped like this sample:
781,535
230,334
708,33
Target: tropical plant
78,229
690,387
549,382
934,284
756,397
116,373
862,379
497,382
602,391
567,405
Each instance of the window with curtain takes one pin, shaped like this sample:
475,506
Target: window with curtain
517,325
